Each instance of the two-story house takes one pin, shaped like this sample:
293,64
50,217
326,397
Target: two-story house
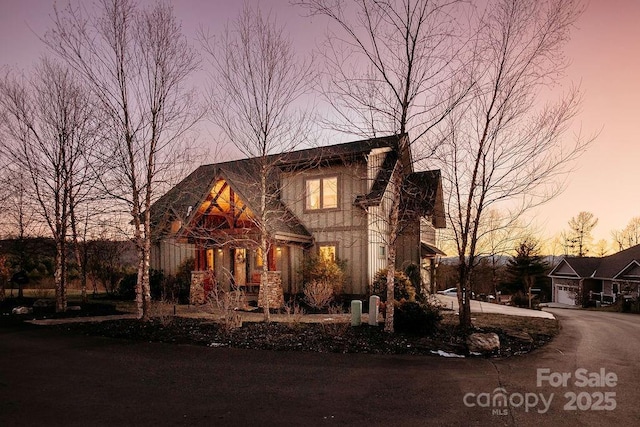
331,201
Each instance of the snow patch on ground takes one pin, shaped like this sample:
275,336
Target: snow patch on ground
446,354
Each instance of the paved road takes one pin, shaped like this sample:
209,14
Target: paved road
52,379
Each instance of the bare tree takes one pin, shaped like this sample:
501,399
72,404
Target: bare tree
51,129
578,238
628,236
256,87
388,68
502,149
136,62
18,213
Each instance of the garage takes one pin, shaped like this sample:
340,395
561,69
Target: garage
566,294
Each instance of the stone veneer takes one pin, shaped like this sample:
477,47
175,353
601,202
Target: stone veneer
196,290
276,294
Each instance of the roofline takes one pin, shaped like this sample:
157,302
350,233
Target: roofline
634,261
564,259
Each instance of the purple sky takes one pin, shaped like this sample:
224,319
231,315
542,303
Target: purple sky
605,55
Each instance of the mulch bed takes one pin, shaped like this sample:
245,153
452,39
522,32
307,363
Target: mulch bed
313,337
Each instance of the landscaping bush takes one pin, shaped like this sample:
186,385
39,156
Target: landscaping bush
170,288
412,271
403,289
416,318
316,269
127,287
318,294
520,299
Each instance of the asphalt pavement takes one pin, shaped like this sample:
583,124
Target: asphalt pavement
56,379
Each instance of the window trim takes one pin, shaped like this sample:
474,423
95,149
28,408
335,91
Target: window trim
321,179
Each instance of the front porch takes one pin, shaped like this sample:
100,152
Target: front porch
203,283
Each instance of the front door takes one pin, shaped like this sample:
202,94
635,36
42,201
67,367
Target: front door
240,266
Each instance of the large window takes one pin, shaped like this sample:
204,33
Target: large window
322,193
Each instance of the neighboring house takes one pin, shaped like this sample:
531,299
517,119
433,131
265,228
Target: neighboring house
578,280
330,201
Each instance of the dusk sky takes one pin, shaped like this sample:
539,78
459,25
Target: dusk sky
605,61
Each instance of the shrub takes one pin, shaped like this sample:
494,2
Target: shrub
318,294
403,289
156,283
412,271
316,269
416,318
127,287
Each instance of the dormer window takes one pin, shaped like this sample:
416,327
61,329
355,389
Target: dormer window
322,193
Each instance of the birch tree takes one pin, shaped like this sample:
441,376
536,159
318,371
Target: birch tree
136,61
51,131
256,85
388,66
505,147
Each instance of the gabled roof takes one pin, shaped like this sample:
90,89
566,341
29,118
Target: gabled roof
608,267
380,183
182,201
335,153
422,195
242,176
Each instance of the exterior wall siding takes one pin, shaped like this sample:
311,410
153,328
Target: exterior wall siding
168,255
346,226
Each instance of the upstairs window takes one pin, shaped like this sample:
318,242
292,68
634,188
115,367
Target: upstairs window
322,193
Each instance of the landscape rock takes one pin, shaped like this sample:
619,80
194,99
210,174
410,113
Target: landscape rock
519,335
483,343
21,310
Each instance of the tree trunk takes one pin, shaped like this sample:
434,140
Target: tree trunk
264,277
394,218
464,297
59,278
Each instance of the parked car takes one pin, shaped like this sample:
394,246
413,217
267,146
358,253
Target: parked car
452,292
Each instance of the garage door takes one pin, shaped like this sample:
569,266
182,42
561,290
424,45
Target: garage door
566,295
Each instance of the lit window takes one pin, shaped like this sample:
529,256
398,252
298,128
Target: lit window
313,194
259,259
327,253
210,262
322,193
382,251
330,193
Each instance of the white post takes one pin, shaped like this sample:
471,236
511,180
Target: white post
356,313
374,308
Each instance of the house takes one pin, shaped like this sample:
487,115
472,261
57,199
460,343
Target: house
578,280
331,201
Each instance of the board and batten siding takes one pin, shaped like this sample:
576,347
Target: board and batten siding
346,226
168,254
378,234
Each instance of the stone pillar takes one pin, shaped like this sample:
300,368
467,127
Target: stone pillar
276,293
374,308
196,290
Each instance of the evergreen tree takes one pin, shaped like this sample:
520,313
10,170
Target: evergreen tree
526,269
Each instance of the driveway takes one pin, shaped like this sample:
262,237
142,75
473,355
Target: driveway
51,378
488,307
